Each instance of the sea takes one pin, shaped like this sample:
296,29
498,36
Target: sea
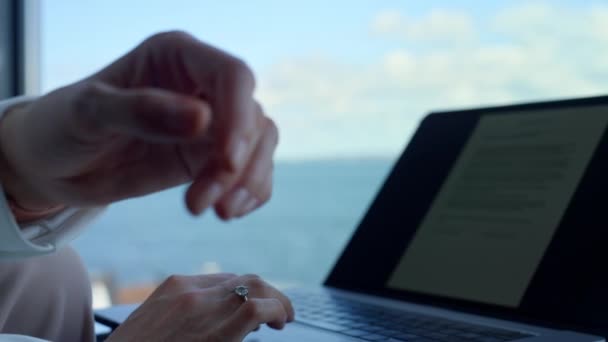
293,240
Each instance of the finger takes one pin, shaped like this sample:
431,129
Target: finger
250,315
210,280
208,187
263,188
209,182
147,113
253,205
150,171
258,288
225,80
185,283
253,189
214,182
205,190
173,60
236,113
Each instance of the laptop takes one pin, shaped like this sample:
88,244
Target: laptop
491,226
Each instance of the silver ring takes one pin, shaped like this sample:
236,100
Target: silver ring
242,291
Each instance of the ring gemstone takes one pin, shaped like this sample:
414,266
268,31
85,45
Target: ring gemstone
242,291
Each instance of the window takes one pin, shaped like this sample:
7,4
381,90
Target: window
19,47
5,54
347,83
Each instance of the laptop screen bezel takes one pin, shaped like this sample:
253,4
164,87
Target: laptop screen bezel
554,297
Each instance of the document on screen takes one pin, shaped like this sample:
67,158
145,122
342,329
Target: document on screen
493,218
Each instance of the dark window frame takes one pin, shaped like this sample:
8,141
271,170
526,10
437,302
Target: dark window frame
9,84
19,47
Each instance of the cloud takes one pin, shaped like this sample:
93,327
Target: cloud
387,22
325,107
438,24
329,109
555,27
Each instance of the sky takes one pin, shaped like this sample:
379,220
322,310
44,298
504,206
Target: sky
352,79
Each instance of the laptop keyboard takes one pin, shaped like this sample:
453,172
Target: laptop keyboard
375,323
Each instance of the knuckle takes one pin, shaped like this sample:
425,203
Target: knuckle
227,275
241,72
227,280
85,111
174,282
251,276
86,98
255,282
272,131
169,36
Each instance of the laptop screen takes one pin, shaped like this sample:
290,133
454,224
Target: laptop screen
500,211
493,218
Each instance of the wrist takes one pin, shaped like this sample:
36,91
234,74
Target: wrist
24,215
24,201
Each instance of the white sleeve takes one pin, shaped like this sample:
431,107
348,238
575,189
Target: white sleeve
19,338
43,236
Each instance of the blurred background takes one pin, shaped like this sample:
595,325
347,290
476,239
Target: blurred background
346,82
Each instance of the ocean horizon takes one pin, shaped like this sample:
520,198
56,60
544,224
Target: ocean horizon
293,240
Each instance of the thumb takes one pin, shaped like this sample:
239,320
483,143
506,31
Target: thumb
146,113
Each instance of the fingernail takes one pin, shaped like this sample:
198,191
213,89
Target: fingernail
237,199
201,120
249,205
238,153
212,194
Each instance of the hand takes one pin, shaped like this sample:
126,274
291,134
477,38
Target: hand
171,111
204,309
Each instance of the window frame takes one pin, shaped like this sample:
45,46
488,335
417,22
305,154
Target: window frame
19,47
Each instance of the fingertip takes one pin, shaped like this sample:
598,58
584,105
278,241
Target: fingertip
196,119
248,207
291,315
278,324
160,115
201,194
222,213
190,202
205,116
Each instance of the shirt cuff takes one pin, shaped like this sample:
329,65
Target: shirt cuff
42,236
19,338
6,104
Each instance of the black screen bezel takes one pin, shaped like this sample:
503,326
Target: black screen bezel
570,286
